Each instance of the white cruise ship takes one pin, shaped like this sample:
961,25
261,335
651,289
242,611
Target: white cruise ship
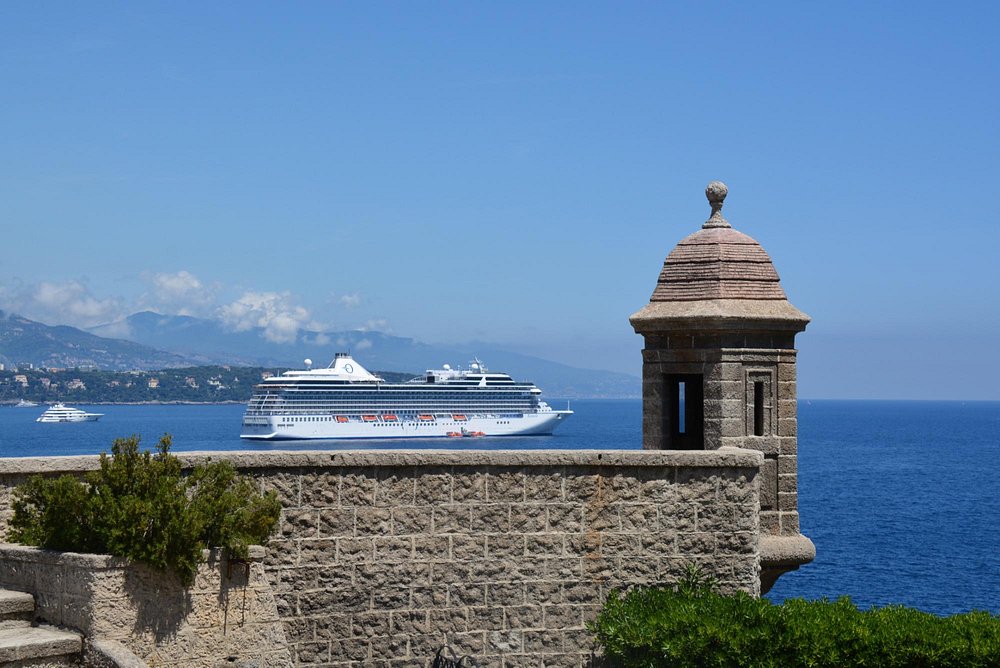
61,413
347,401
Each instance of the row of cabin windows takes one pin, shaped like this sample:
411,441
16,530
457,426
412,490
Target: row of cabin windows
323,418
448,396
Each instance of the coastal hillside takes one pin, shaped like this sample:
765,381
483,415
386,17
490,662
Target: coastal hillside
212,342
200,384
24,342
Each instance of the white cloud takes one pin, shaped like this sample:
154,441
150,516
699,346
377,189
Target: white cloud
119,329
363,344
180,292
376,325
350,301
67,303
275,312
321,339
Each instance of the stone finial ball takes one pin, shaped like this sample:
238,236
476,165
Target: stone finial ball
716,191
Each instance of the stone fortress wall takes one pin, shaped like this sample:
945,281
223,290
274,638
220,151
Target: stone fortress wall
385,556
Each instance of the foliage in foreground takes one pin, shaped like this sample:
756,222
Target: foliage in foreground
139,505
693,626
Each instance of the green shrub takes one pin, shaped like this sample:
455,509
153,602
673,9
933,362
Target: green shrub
139,505
692,626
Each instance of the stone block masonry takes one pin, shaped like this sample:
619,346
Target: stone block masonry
382,557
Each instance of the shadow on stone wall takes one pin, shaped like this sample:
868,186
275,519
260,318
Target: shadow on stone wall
161,604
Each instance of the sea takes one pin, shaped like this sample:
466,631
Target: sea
901,498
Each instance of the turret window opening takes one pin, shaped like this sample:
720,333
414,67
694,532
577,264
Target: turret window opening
681,422
684,417
759,402
758,408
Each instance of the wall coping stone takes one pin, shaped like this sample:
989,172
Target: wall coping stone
41,555
723,457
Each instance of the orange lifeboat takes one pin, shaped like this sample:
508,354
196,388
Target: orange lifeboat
454,434
342,418
459,417
388,418
369,418
425,418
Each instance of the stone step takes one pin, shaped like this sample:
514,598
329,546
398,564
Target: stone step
38,642
16,609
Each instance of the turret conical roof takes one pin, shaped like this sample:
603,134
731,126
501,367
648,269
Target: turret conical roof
718,277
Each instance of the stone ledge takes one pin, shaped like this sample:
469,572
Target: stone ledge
785,551
722,314
102,653
781,554
724,457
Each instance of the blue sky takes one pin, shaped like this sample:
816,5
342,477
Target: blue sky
511,172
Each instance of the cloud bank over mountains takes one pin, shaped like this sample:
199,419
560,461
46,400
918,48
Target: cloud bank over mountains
70,302
262,314
279,316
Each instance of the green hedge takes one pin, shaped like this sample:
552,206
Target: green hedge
139,505
695,627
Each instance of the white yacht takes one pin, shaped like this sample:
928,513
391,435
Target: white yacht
61,413
24,403
347,401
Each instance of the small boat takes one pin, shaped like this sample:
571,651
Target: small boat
465,433
24,403
61,413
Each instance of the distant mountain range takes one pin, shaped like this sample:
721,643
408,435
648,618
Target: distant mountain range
150,340
23,340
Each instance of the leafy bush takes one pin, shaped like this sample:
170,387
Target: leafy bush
139,505
692,626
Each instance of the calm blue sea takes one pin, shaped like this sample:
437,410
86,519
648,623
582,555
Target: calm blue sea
901,498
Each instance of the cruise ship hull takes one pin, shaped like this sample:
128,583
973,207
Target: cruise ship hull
288,427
